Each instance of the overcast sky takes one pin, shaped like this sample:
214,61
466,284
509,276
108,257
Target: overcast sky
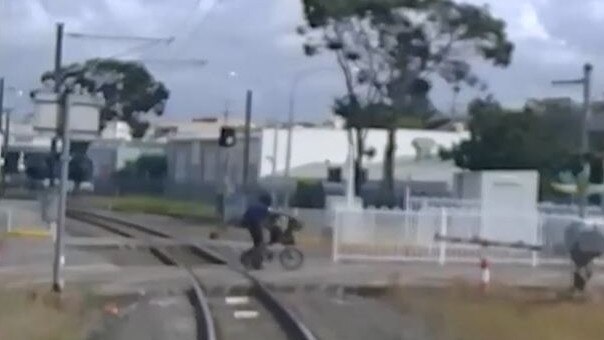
256,40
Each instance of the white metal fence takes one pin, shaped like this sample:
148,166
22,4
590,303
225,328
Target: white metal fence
397,235
6,220
420,203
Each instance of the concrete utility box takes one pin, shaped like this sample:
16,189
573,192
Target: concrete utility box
507,201
84,114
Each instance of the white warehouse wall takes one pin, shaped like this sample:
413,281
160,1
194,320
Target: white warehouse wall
317,145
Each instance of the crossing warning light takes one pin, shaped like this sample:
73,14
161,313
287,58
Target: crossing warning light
227,137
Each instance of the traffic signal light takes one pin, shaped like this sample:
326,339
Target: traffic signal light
227,137
596,170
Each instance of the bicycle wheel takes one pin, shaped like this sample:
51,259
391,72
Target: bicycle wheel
250,259
291,258
246,259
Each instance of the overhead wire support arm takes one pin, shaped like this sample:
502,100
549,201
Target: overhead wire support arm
568,82
93,36
192,62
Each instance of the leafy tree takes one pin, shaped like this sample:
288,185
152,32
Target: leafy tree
513,140
145,167
129,89
152,166
335,27
562,116
389,50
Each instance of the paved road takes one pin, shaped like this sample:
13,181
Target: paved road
330,318
24,214
354,318
319,269
150,318
244,321
182,229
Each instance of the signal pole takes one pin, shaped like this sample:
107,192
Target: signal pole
4,134
246,146
585,81
63,130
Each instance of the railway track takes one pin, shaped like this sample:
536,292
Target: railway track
185,257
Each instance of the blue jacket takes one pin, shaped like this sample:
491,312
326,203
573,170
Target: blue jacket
254,216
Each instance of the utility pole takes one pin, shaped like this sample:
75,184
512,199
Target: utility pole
5,142
299,77
585,81
351,171
290,127
5,113
3,134
587,70
63,130
57,90
246,146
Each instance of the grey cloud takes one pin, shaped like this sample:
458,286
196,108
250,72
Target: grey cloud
257,40
575,22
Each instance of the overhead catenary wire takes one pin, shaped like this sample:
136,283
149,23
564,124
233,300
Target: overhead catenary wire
186,39
147,42
144,42
168,61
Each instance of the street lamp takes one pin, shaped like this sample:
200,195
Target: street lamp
298,78
227,102
5,127
585,81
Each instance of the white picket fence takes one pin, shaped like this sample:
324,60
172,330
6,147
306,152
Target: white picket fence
420,203
6,220
397,235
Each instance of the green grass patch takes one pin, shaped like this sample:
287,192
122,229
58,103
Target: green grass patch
161,206
502,313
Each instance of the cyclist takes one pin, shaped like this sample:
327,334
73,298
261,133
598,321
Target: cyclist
255,219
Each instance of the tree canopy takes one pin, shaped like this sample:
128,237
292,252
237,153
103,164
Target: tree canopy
388,48
129,89
145,167
508,139
515,140
390,51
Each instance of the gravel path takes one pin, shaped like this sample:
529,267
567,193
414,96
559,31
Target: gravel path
355,318
152,318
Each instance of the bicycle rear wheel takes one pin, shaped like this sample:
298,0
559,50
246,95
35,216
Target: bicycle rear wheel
291,258
251,259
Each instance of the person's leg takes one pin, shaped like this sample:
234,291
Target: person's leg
257,239
275,235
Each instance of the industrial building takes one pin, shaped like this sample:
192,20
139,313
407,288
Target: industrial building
199,167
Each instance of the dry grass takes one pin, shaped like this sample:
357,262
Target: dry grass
159,206
464,312
41,315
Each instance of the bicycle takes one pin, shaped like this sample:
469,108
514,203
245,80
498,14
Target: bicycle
290,257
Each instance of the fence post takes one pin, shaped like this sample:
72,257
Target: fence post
538,240
335,237
9,220
442,247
